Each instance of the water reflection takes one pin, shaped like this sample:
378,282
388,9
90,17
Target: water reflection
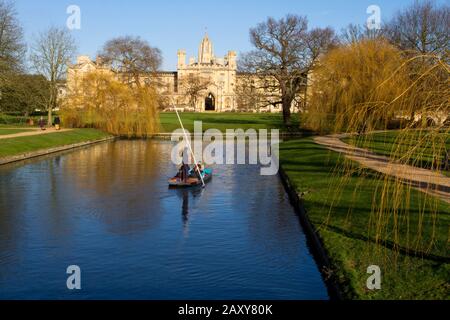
114,181
184,195
185,211
108,209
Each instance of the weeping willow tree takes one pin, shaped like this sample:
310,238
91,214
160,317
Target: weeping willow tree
99,100
360,88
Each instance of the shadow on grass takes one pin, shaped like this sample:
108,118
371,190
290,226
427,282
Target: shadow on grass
388,244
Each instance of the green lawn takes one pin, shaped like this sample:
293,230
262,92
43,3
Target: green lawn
15,146
344,229
223,121
388,143
6,131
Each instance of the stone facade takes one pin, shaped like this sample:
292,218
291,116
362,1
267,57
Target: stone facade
208,83
218,75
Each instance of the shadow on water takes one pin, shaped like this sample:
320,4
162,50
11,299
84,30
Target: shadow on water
184,195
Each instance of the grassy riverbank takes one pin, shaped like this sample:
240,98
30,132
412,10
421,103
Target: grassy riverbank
20,145
344,229
223,121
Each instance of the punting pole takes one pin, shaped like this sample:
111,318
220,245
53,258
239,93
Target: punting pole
190,147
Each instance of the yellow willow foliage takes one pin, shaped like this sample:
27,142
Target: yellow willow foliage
346,92
369,86
99,100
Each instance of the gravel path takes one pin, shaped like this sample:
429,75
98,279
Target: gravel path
31,133
422,179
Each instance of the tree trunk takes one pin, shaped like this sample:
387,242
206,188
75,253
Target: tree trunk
52,105
287,102
49,121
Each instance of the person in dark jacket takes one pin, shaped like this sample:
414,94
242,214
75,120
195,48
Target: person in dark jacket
185,168
184,172
42,123
57,123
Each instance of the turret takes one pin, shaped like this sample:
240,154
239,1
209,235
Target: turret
231,59
181,59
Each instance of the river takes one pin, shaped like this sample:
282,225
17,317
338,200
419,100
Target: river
108,210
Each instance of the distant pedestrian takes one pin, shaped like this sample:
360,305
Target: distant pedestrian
57,123
42,123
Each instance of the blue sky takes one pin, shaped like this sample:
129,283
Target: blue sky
177,24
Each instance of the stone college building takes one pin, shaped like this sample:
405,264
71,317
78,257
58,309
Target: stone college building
205,84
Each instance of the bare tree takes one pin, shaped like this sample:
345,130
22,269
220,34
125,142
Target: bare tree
355,33
12,47
286,51
51,52
254,93
247,96
194,87
132,57
423,27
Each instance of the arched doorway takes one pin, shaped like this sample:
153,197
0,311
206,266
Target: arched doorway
210,103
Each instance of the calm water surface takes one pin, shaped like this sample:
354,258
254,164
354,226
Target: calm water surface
108,210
